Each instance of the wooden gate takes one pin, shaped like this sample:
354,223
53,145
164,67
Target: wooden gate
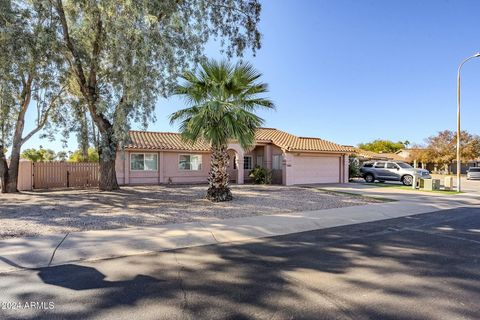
55,174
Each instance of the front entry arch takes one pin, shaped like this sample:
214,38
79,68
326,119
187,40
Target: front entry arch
235,166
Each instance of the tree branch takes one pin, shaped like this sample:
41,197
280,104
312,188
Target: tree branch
71,47
43,120
92,79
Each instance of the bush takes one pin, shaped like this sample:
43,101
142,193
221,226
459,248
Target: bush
353,168
261,175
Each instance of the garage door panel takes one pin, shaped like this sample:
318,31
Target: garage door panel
308,169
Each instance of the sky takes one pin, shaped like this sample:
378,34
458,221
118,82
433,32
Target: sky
352,71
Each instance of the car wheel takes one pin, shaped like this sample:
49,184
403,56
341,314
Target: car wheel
407,180
369,178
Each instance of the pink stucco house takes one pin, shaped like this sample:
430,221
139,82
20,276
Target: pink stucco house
163,157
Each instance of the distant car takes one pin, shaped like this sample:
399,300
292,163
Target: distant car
473,173
392,171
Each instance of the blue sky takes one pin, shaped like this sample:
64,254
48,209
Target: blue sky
352,71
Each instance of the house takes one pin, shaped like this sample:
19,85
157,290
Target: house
365,155
412,155
163,157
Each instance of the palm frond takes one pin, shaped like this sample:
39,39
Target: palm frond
222,99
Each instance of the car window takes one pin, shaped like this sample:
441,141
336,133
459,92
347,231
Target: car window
474,170
380,165
404,165
368,165
391,165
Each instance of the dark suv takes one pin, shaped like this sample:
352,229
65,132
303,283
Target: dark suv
392,171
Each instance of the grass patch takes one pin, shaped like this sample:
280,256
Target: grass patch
381,199
396,186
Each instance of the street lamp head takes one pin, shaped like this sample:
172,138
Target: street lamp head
476,55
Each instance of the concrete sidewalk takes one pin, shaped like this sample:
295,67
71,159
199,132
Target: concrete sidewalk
29,253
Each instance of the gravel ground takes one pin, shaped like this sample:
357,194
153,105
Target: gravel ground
38,213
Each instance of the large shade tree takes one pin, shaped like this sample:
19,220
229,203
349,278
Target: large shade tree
442,148
222,99
380,145
124,54
30,77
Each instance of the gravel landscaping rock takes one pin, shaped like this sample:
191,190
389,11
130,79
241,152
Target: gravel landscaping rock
38,213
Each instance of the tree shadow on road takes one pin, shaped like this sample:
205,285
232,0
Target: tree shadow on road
419,267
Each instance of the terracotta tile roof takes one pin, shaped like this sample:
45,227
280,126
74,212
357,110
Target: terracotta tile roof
377,156
291,142
287,141
163,141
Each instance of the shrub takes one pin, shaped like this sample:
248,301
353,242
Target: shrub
353,168
261,175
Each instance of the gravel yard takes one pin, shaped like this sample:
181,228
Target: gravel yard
37,213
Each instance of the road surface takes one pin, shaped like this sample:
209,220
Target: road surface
418,267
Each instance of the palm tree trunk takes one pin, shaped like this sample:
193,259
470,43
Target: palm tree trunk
218,189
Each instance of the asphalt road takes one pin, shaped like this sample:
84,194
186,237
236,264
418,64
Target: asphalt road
418,267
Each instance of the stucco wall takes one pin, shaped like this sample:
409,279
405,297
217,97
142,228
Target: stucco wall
167,169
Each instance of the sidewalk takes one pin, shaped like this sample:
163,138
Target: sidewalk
28,253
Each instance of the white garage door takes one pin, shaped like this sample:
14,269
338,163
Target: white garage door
316,169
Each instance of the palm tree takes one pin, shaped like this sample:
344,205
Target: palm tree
221,99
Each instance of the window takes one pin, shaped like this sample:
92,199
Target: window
260,161
404,165
368,164
247,162
190,162
379,165
391,165
277,162
143,161
234,162
474,169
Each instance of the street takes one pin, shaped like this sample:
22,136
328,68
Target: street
417,267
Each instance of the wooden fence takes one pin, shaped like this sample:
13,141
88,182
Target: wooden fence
57,174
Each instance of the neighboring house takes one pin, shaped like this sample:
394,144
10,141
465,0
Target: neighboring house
163,157
410,154
365,155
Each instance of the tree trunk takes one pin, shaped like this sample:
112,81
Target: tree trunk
12,177
9,172
108,153
218,189
83,133
3,171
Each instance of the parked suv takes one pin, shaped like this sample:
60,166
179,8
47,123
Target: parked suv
473,173
392,171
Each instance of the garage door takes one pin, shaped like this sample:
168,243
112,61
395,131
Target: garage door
316,169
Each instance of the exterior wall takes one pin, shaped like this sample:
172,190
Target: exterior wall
404,153
167,169
172,174
346,165
238,174
120,167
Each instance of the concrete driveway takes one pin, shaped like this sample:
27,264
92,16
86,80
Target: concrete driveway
417,267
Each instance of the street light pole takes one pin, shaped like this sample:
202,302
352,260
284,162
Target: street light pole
459,164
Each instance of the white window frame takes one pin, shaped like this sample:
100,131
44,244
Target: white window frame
143,153
251,162
190,155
